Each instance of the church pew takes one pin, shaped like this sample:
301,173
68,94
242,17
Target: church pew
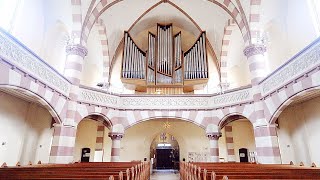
246,171
79,171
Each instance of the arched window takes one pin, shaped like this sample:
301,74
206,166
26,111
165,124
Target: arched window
8,11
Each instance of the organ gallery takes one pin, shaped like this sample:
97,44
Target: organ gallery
164,65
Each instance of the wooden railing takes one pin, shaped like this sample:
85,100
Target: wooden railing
213,171
103,170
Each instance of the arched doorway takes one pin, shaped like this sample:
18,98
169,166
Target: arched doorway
137,140
164,151
237,143
92,143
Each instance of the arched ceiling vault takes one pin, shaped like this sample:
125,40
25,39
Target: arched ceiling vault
227,7
139,22
121,15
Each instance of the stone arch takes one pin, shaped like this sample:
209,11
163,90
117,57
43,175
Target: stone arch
165,117
281,107
227,6
96,113
51,106
230,118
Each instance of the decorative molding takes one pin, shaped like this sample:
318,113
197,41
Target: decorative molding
293,69
76,49
254,49
98,98
214,136
21,57
115,136
232,97
164,102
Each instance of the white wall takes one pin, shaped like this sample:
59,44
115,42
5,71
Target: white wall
92,71
137,140
24,127
290,29
299,133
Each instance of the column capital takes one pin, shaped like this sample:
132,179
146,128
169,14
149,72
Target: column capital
76,49
115,136
254,49
214,136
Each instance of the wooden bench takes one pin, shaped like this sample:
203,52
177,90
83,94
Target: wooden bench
107,170
212,171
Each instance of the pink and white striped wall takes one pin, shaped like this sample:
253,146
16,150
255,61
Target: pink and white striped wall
76,21
230,144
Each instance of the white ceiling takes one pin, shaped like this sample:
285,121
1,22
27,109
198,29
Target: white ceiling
209,17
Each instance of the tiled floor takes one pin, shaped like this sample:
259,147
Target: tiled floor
165,175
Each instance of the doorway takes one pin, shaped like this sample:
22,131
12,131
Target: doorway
164,159
164,152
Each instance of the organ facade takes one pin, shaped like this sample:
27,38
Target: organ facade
164,65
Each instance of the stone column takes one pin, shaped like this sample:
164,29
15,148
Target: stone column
62,147
214,146
64,134
267,145
115,148
74,62
256,59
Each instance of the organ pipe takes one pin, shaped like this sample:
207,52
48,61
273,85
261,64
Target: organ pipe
162,62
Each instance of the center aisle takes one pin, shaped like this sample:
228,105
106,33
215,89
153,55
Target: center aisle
165,175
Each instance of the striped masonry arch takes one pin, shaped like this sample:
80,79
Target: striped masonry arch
105,51
227,5
224,53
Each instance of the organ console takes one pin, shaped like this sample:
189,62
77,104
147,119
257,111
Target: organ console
164,64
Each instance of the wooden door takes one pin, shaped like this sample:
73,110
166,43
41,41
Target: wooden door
164,159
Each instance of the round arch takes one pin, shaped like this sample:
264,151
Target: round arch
36,97
230,118
99,117
288,101
229,8
164,117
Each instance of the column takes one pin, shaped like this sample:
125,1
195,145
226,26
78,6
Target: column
214,146
115,148
98,154
256,59
74,62
230,145
267,145
72,71
63,142
64,134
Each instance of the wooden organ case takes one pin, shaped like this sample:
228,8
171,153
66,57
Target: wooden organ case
164,65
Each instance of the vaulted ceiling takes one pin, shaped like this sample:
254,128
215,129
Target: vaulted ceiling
191,17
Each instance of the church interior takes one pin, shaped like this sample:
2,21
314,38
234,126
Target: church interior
167,89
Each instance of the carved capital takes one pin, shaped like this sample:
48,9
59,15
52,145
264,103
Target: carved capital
214,136
76,49
254,49
115,136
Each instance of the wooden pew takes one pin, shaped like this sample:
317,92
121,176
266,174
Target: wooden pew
108,170
211,171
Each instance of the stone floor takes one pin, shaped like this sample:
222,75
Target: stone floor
165,175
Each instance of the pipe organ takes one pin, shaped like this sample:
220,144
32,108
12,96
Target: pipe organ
164,64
